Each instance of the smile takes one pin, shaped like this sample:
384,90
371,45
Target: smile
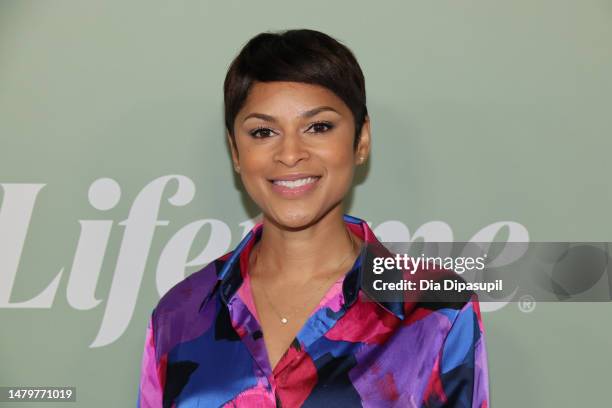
295,188
295,183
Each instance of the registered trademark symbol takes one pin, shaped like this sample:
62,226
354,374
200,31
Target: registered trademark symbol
526,303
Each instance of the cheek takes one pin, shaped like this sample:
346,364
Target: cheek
341,170
340,159
252,160
253,170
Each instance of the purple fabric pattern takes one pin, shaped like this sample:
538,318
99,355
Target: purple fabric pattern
204,346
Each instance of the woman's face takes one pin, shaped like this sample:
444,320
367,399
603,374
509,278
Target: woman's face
294,150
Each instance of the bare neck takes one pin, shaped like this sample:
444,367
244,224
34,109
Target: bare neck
318,250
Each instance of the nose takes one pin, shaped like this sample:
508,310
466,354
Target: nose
291,149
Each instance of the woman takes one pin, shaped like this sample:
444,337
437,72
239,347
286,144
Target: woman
281,320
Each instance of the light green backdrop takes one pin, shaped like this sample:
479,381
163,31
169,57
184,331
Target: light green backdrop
482,111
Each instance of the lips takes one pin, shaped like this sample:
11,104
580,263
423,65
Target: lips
294,185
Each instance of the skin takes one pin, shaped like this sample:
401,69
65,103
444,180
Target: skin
305,245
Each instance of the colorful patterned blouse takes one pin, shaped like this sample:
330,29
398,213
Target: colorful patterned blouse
204,346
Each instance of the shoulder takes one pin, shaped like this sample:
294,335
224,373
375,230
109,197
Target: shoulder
186,296
178,315
453,313
459,325
442,291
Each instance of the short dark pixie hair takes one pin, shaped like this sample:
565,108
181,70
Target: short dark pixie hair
303,55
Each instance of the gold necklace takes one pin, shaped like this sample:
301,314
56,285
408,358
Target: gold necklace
284,319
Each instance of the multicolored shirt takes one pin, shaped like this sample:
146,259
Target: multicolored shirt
204,346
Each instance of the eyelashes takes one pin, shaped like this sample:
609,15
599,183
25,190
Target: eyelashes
263,132
257,133
321,126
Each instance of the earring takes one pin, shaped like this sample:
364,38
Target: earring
361,159
237,168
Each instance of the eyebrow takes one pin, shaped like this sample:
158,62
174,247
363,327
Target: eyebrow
308,114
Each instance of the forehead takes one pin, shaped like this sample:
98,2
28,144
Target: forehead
290,98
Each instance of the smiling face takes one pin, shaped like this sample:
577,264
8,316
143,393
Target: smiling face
294,149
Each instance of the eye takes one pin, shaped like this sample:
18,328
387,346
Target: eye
261,133
320,127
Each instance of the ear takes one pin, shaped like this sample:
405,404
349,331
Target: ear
363,147
234,151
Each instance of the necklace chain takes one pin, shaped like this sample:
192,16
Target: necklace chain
284,318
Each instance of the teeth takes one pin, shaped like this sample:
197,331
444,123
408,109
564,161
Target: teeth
295,183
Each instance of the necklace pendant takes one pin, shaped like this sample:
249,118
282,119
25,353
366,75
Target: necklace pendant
284,320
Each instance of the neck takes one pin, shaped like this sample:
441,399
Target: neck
316,251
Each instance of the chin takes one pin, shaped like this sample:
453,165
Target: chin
294,219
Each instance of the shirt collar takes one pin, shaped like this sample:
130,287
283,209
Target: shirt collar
230,276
